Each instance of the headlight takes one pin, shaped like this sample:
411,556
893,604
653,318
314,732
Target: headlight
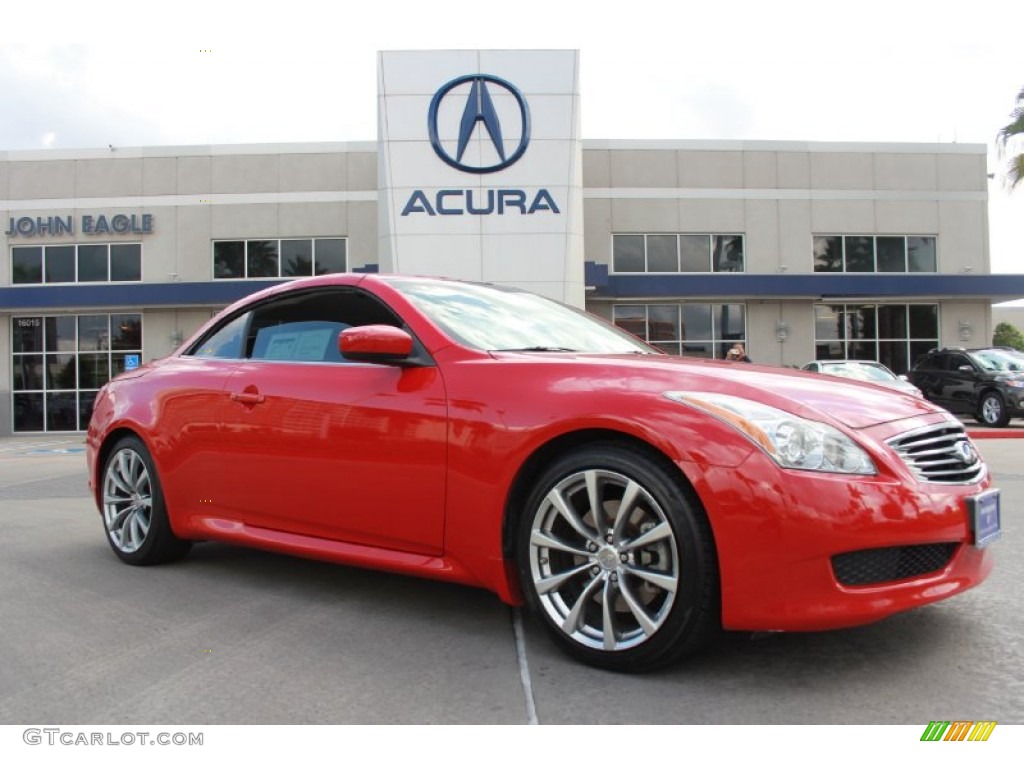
791,441
1015,383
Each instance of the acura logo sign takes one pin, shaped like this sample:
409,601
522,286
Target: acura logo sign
479,115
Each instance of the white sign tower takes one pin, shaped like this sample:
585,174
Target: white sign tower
480,167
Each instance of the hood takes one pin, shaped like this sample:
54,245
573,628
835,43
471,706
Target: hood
1009,376
901,386
823,398
828,399
142,370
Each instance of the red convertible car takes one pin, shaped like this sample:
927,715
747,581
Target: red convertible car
637,502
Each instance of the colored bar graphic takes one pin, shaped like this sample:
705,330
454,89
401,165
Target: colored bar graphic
982,730
958,730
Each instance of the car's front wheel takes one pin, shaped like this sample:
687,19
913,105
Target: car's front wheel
134,513
992,410
617,559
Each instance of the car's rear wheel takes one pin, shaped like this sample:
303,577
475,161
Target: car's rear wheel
618,561
992,410
134,513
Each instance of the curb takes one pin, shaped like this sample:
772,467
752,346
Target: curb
1001,434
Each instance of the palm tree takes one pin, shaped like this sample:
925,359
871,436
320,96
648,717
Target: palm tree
1005,138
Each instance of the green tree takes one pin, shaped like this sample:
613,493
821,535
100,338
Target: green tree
1007,335
1009,139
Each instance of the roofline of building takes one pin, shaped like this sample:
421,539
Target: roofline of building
763,145
320,147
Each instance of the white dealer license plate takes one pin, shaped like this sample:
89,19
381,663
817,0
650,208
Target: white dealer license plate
984,514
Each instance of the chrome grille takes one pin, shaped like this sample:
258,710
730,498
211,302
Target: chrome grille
940,453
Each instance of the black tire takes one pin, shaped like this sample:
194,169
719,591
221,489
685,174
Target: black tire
650,576
132,507
992,410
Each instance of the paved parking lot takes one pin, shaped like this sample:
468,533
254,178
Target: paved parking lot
237,636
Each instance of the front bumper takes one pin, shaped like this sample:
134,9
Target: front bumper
1015,402
778,532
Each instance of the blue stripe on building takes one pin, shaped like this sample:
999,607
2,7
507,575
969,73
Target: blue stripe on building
135,295
741,286
832,285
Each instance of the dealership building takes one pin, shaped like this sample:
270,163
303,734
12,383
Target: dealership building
800,250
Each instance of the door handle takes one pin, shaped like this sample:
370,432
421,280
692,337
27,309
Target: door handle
248,398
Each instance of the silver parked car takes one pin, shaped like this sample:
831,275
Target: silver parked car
864,370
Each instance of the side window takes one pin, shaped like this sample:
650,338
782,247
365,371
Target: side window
225,341
955,361
310,341
305,327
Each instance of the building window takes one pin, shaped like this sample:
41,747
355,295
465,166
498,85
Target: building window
677,253
86,263
59,362
870,253
695,330
893,334
301,257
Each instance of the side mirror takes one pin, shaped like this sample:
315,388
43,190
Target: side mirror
965,369
375,344
903,377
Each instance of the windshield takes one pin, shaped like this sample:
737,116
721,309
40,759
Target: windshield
494,319
996,360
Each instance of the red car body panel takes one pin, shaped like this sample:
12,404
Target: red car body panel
413,469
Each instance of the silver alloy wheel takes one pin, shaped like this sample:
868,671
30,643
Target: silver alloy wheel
604,560
991,409
127,500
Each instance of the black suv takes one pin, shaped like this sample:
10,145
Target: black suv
987,384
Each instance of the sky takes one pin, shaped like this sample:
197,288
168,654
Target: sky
79,75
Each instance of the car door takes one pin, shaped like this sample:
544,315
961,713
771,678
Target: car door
959,384
321,446
187,431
